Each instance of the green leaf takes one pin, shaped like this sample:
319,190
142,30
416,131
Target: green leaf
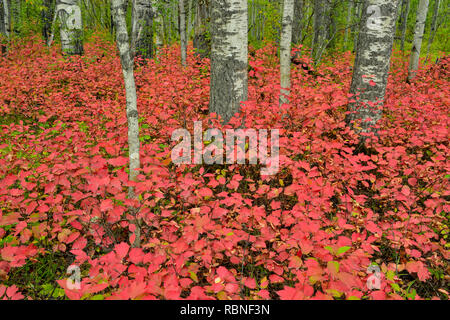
342,250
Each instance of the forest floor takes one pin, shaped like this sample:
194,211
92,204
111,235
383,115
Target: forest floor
218,231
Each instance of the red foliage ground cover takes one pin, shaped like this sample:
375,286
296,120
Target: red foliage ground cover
220,231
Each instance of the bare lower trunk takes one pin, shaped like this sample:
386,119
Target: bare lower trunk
71,30
297,23
6,18
132,112
418,36
202,43
372,62
321,26
3,34
47,18
285,50
229,57
142,29
183,39
189,20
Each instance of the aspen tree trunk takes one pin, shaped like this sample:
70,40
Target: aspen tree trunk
159,29
285,50
142,29
422,11
130,92
6,18
229,57
321,25
358,13
202,44
433,26
375,42
183,38
47,17
297,22
347,23
3,34
189,21
71,30
405,14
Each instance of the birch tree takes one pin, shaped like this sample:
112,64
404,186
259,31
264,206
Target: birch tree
47,18
6,19
183,38
189,20
4,36
71,30
229,57
433,27
321,25
285,50
405,13
130,92
422,11
142,29
297,23
375,42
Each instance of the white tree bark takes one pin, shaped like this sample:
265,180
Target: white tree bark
418,36
229,57
130,91
69,14
6,18
372,63
285,50
183,38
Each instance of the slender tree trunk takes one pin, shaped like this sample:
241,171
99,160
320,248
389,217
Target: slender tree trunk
189,21
358,14
433,27
202,44
347,22
321,25
7,18
285,50
375,42
142,29
297,23
229,57
183,38
3,34
132,111
47,18
418,36
71,30
405,14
